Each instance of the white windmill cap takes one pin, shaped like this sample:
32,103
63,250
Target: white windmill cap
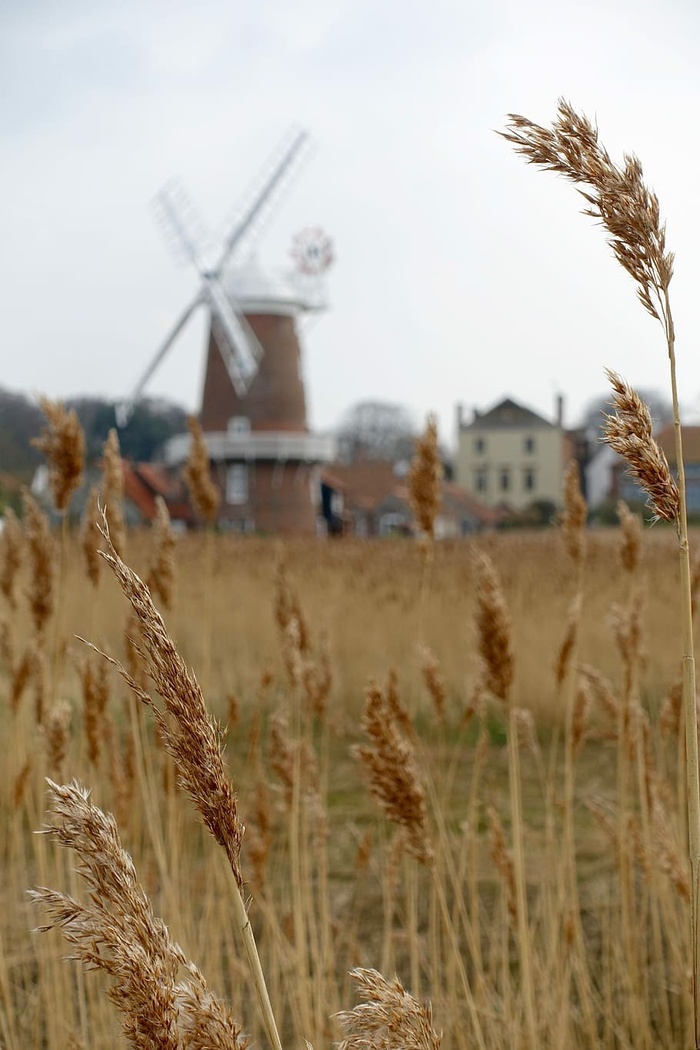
256,288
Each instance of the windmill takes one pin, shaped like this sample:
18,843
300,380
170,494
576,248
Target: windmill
253,409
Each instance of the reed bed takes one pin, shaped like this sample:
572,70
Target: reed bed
318,649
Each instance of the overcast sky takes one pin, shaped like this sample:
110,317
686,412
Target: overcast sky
462,274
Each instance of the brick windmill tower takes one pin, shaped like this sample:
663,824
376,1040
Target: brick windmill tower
253,409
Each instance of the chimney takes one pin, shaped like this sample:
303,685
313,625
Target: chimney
460,415
560,410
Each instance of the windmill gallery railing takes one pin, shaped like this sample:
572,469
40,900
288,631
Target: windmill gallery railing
261,445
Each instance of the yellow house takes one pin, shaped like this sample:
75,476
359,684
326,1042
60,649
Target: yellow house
511,456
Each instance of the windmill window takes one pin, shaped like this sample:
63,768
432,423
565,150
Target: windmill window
239,425
237,484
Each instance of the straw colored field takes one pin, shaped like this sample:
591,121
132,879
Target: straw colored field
601,926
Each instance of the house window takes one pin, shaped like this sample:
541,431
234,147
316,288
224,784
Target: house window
237,484
529,444
392,523
504,479
480,480
479,446
239,425
529,479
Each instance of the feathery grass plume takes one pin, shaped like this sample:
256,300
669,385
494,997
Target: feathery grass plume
494,628
161,575
434,682
63,443
19,786
390,766
21,674
95,688
567,646
425,479
204,494
11,548
617,197
40,549
666,851
113,490
388,1018
631,539
582,706
164,1000
90,536
503,862
190,735
629,433
575,513
55,736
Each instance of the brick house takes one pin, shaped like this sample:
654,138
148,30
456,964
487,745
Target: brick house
371,498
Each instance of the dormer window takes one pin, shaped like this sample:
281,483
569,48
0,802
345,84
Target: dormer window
239,425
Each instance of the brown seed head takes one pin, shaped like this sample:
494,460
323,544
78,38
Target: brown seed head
616,197
204,494
389,764
161,575
493,624
63,443
567,647
11,548
388,1018
631,539
425,479
189,733
164,1000
629,433
41,562
55,734
113,491
433,679
503,862
575,513
90,537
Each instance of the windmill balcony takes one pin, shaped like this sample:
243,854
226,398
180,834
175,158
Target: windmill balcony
256,445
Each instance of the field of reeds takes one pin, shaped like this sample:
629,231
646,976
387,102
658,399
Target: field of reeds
535,890
387,795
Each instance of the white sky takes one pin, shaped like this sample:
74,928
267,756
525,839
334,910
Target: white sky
462,274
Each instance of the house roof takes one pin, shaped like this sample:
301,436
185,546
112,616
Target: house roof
363,484
372,483
691,444
507,413
144,481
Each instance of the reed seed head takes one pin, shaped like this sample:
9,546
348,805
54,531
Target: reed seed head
113,490
388,1018
163,998
631,539
40,549
161,575
425,479
11,550
90,537
190,735
390,766
63,443
204,494
575,513
629,433
617,197
494,628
